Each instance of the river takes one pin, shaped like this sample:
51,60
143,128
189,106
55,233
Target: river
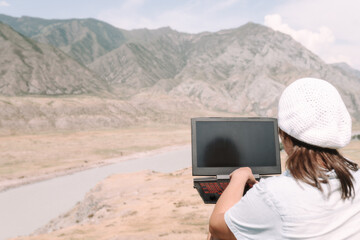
26,208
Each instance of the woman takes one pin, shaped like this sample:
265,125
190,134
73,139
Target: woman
318,196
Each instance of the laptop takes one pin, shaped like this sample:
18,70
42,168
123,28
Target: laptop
221,145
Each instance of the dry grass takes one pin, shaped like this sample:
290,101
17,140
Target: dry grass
154,206
23,156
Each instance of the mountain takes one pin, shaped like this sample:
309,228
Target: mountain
235,71
140,63
28,26
242,70
28,67
245,69
346,69
82,39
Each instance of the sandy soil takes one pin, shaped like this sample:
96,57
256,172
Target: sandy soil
153,206
29,158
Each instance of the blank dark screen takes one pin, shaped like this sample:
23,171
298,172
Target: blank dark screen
235,144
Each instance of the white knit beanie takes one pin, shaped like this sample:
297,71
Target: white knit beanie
312,111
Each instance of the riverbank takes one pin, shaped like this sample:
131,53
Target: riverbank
141,205
32,158
13,183
27,208
152,206
112,206
26,159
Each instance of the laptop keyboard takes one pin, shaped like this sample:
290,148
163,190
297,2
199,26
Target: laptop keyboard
214,187
210,191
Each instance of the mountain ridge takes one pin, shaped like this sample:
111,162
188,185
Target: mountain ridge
28,67
238,71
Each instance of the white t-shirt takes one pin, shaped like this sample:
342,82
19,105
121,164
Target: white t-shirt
283,208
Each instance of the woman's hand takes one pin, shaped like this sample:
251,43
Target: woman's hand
240,174
232,194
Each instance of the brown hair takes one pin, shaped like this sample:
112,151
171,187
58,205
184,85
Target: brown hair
310,163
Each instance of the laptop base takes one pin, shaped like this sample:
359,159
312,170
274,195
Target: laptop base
210,189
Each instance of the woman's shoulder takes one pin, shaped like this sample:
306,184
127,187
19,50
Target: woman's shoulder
283,180
356,174
285,194
284,186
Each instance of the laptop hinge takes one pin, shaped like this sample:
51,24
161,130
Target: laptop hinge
223,176
256,176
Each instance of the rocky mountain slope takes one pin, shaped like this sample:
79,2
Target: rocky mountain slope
141,64
239,71
28,67
82,39
346,69
245,69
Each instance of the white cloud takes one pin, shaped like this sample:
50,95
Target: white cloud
340,16
314,41
343,53
321,41
4,4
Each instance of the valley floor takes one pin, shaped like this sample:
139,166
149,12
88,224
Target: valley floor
26,158
29,158
154,206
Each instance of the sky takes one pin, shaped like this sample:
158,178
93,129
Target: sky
329,28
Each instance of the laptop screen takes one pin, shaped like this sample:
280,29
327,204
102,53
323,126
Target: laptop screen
221,145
